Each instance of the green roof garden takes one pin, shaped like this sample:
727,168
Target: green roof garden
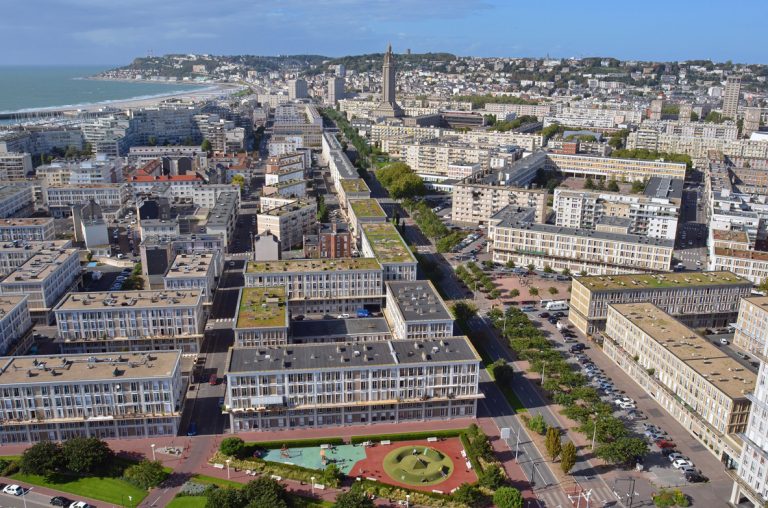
313,265
262,308
367,208
659,280
387,244
354,185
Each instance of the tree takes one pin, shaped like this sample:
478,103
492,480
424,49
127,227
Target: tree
265,492
507,497
552,442
613,186
330,475
502,371
548,269
354,498
86,455
533,291
537,424
566,272
492,477
146,474
763,286
469,495
694,116
553,290
514,293
531,267
43,458
152,141
228,497
231,446
205,146
510,264
638,186
623,450
568,457
589,184
238,180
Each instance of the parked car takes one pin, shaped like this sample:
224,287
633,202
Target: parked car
679,463
575,348
666,452
213,380
676,456
13,489
724,341
544,315
343,316
663,444
79,504
60,501
695,477
627,405
688,470
621,400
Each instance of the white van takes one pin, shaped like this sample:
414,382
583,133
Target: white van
557,305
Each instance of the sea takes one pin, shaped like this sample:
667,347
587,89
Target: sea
24,88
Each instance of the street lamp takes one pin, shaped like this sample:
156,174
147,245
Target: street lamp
130,501
517,445
407,501
313,485
153,451
594,431
228,461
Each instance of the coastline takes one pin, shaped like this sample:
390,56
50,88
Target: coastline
138,101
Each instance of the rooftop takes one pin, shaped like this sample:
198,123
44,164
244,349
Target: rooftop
632,281
8,303
664,188
706,359
190,265
136,299
293,206
387,244
262,308
313,265
40,266
26,222
111,367
730,236
354,185
418,300
338,327
350,355
366,208
755,255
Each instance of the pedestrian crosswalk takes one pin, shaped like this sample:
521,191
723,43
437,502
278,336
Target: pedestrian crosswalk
594,496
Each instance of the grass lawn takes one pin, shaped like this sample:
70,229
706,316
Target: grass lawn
188,502
298,501
512,399
111,490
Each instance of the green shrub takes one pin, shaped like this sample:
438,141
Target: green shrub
232,446
537,424
146,474
508,497
407,436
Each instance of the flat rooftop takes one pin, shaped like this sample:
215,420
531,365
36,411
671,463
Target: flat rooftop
754,255
136,299
26,222
338,327
706,359
664,280
366,208
190,265
730,236
361,355
312,265
293,206
418,300
387,244
40,266
8,303
664,188
262,308
354,185
109,367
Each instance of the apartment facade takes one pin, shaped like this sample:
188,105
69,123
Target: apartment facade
330,385
15,166
60,199
16,200
515,237
364,211
289,223
621,170
44,278
321,285
15,322
56,398
383,242
701,299
415,311
27,229
703,388
195,271
476,202
130,321
752,324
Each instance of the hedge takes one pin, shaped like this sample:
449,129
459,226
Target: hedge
407,436
295,443
291,471
471,456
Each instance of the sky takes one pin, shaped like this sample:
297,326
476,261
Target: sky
68,32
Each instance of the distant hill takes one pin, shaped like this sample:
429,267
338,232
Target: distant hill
372,61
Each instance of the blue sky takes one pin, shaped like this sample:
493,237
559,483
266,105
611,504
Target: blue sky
116,31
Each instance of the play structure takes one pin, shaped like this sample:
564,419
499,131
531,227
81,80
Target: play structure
418,465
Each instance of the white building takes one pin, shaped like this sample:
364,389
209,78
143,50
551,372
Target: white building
15,166
416,311
15,322
15,200
262,317
27,229
289,223
195,271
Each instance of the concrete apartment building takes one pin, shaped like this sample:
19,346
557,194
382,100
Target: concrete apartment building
60,200
415,311
514,236
330,241
752,324
475,201
27,229
383,242
654,214
335,90
289,223
339,330
321,285
15,166
352,189
697,383
78,172
130,321
15,323
44,278
16,200
297,89
158,253
621,170
700,299
731,97
199,270
284,168
298,121
95,395
262,317
329,385
16,253
364,211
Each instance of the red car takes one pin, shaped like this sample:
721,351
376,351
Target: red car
663,443
213,380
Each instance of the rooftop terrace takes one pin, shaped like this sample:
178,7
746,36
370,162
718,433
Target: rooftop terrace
262,308
387,244
367,208
313,265
354,185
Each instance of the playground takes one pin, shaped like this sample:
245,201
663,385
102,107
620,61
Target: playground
436,464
